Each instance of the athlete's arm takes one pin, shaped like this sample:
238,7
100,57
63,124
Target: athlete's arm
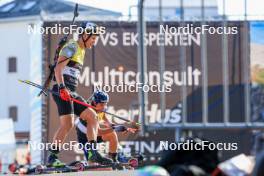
62,62
102,131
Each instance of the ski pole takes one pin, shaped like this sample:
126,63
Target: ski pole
75,100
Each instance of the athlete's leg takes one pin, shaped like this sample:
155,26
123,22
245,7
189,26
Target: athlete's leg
113,141
66,124
65,110
82,139
113,144
90,117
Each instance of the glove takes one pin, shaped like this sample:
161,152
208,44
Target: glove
119,128
64,93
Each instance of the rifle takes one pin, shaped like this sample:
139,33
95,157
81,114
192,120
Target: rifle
57,52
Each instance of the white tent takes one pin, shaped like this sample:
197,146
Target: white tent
7,143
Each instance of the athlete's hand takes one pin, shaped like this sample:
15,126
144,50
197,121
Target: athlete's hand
132,130
124,129
64,93
134,125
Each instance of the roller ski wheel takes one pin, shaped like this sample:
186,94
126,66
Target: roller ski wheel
133,162
39,169
80,166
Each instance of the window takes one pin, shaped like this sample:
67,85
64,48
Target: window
28,5
13,113
8,7
178,11
12,64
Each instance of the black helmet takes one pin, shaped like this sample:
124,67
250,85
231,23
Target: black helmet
89,28
100,96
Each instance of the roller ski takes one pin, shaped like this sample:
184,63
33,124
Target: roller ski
86,166
134,160
97,161
47,169
54,166
77,166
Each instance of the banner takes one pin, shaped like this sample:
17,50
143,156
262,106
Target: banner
114,68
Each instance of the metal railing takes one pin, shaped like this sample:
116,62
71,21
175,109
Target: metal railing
205,124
